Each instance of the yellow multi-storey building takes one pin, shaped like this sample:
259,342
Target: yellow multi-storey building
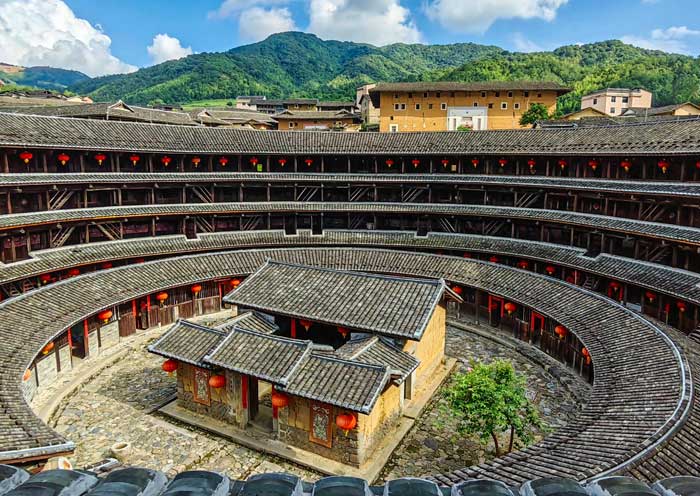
448,106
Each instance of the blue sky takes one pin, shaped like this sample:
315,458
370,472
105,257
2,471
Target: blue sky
109,36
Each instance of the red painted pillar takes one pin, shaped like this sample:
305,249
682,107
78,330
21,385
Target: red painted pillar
275,410
85,336
294,328
148,304
244,391
133,307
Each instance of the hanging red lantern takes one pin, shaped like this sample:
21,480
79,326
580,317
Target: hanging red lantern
169,366
346,422
305,323
217,381
502,162
681,306
105,315
73,272
475,162
166,160
196,161
27,375
45,278
531,163
586,354
523,264
223,161
161,297
134,160
100,157
282,162
415,162
510,307
445,162
389,163
253,161
139,260
493,259
651,296
626,165
467,255
309,162
614,285
235,283
697,165
550,269
106,265
457,290
63,158
343,332
593,164
196,289
562,164
279,400
560,331
26,157
663,165
48,348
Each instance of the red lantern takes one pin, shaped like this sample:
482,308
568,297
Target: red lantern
343,332
105,315
223,161
309,162
196,289
279,400
651,296
139,260
560,331
282,162
63,158
27,375
217,381
467,255
48,348
196,161
562,164
100,157
663,165
169,366
445,162
73,272
415,162
475,162
593,164
586,355
306,324
235,283
26,157
45,278
614,285
134,160
502,162
626,165
697,165
458,290
389,162
254,161
523,264
346,422
531,163
106,265
681,306
510,307
166,160
161,297
550,269
493,259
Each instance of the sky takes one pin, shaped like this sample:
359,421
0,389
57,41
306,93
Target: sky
100,37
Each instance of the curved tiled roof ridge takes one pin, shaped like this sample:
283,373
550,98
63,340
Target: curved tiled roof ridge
640,390
652,138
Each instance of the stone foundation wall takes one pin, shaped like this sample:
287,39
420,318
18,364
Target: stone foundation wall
220,405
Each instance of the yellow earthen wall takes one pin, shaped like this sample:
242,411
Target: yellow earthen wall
430,350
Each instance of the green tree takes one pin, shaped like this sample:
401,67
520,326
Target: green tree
490,400
536,112
464,128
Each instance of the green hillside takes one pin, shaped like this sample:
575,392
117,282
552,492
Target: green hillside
302,65
44,77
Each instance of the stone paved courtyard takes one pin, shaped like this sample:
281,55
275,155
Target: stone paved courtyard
115,404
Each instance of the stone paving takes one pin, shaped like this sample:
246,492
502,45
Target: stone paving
115,405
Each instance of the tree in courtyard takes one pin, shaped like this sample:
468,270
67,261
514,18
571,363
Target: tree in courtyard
490,400
536,112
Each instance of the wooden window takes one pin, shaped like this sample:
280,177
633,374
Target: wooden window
490,105
476,104
417,106
483,94
498,93
321,428
527,94
504,105
443,106
430,106
200,391
452,94
410,95
539,95
516,106
425,95
437,94
510,94
394,128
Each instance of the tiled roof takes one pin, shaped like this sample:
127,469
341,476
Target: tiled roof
309,115
250,320
392,306
653,111
666,138
376,351
477,86
187,342
265,356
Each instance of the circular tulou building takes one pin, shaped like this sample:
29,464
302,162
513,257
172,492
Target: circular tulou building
583,243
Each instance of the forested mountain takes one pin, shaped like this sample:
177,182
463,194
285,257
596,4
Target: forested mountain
41,77
302,65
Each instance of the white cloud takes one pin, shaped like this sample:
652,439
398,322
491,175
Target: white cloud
673,39
257,23
477,17
165,47
379,22
47,32
230,8
523,44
